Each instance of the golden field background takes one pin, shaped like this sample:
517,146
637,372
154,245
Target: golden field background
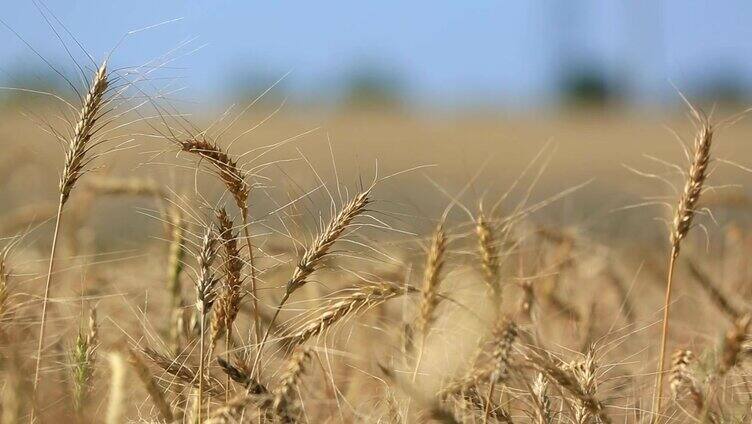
588,257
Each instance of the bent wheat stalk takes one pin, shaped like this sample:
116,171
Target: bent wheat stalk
681,225
362,298
78,154
314,255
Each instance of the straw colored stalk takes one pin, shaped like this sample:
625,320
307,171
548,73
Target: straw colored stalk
4,279
78,155
682,222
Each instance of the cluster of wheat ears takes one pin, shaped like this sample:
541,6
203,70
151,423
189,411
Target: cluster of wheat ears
256,342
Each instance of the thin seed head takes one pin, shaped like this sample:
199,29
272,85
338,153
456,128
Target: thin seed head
432,277
362,298
227,169
77,154
125,187
320,247
690,196
505,335
206,281
228,304
489,256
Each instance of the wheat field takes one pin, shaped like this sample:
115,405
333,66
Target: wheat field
370,266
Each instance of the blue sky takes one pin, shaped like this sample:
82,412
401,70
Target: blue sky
446,52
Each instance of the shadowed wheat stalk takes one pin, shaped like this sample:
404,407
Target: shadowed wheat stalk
681,225
78,155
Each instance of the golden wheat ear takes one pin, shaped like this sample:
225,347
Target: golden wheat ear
315,254
235,180
79,154
680,226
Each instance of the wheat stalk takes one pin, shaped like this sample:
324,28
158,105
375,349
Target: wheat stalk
682,222
205,296
78,155
4,280
315,253
234,179
361,298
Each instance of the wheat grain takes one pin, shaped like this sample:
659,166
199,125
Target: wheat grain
681,224
228,303
432,276
361,298
78,155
